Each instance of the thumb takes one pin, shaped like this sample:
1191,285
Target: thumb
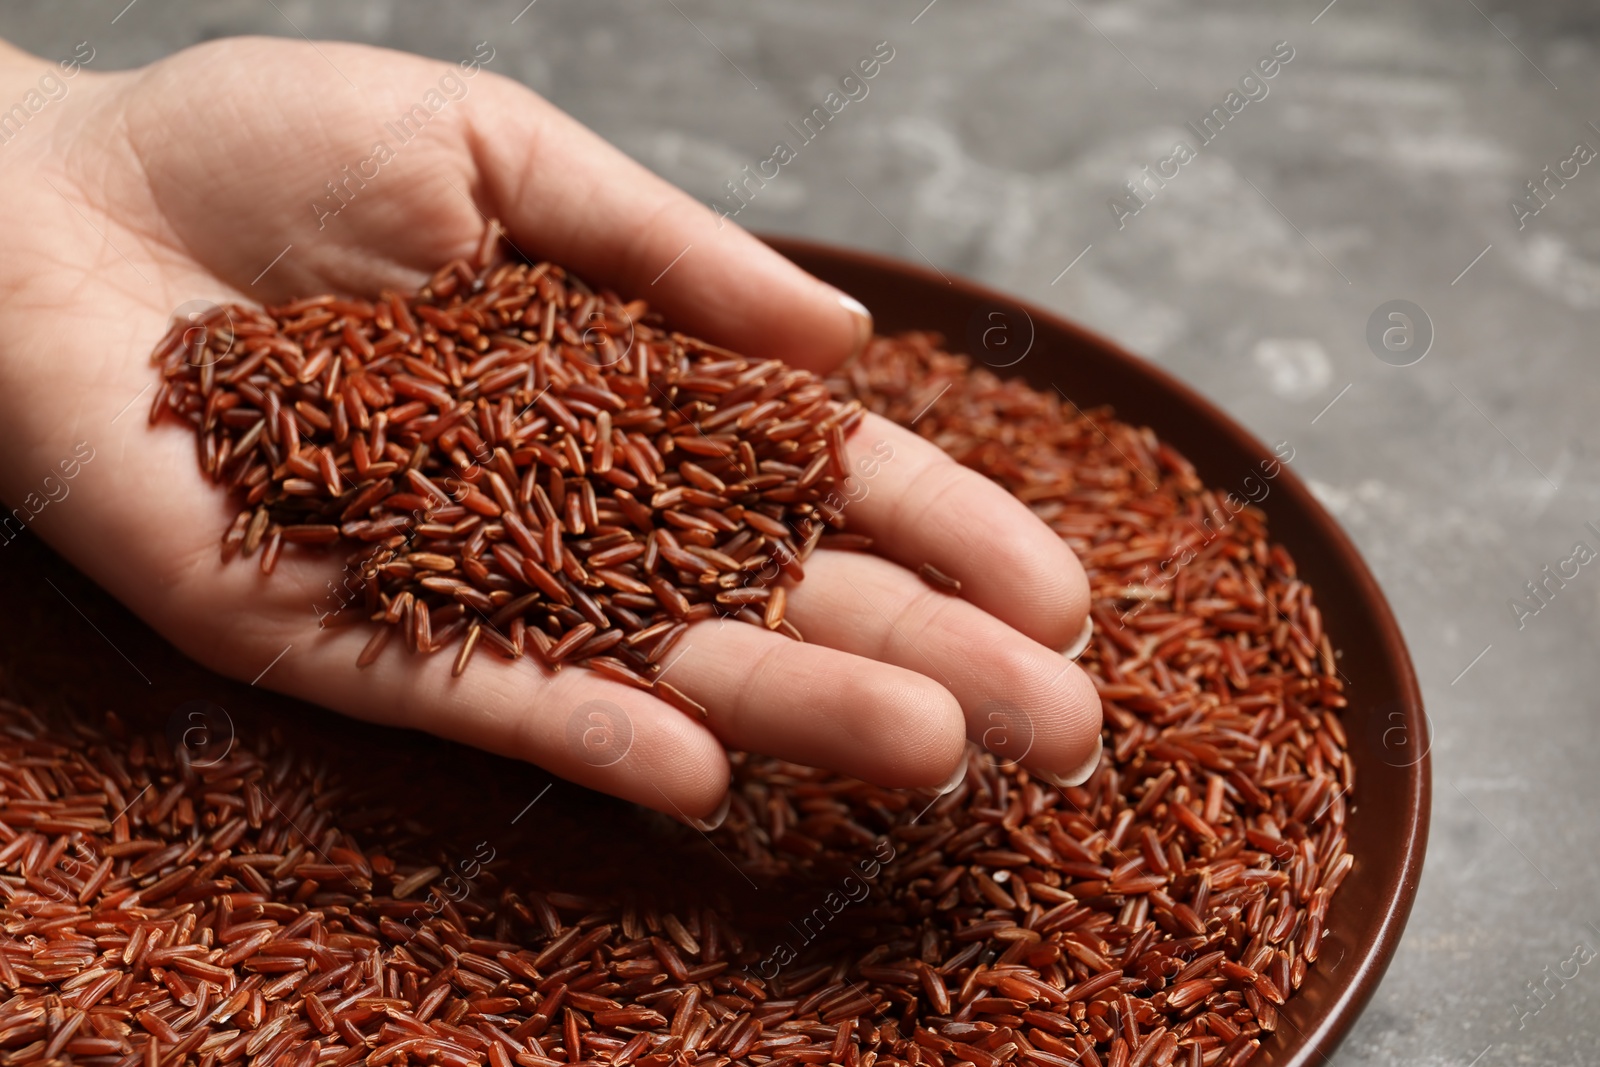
568,196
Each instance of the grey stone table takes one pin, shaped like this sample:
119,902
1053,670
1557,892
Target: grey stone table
1380,162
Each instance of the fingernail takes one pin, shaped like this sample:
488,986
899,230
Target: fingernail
1074,777
863,322
1076,649
715,819
950,784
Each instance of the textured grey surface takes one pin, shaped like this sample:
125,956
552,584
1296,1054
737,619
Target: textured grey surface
1378,166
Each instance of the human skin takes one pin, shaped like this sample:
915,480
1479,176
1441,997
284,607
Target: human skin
140,191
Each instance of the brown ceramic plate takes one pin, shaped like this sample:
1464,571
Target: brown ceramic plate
67,644
1388,823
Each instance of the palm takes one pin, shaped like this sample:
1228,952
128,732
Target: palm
240,184
193,180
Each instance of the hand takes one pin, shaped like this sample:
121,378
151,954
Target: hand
206,176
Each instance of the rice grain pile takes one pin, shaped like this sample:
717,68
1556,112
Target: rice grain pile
255,910
512,459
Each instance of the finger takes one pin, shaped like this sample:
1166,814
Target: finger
573,723
922,507
1021,700
811,704
568,196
